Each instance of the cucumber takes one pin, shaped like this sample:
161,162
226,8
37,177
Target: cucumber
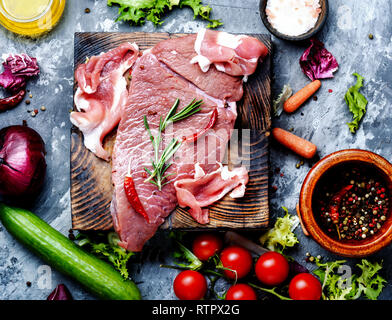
98,277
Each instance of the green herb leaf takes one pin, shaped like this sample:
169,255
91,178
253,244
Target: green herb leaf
138,11
281,235
159,164
356,102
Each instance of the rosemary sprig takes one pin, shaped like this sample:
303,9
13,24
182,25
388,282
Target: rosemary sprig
159,164
172,116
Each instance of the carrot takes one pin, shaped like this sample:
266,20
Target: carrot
296,144
298,98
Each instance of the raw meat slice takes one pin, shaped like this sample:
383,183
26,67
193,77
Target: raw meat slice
236,55
177,54
203,189
101,94
153,90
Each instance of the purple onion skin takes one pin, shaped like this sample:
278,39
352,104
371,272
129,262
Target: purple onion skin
60,293
22,162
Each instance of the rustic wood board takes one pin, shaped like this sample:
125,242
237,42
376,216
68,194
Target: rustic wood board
91,187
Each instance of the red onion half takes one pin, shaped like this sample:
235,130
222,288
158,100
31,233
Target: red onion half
22,161
60,293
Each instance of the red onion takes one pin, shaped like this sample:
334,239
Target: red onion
60,293
22,161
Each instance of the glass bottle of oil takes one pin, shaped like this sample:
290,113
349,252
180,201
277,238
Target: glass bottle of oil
30,17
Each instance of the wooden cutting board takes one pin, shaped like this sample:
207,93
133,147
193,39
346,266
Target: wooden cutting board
91,187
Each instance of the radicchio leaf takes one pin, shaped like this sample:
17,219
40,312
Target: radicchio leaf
317,62
10,81
17,69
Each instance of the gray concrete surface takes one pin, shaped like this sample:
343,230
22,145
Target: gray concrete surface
323,122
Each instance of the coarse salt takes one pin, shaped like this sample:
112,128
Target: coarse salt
293,17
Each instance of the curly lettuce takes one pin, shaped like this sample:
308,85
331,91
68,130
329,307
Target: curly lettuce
107,248
138,11
353,286
370,283
281,235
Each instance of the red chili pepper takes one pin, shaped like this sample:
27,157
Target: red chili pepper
10,102
133,198
210,124
335,203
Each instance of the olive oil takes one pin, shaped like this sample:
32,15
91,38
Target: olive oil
30,17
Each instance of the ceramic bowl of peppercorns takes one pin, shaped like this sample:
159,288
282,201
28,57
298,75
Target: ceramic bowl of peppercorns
345,203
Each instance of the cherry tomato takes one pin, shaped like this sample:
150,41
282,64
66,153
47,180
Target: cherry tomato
206,245
272,268
241,291
190,285
237,259
305,286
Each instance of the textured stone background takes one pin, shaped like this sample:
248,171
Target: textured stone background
323,122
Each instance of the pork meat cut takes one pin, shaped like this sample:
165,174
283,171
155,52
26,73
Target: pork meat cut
159,77
154,89
101,94
209,66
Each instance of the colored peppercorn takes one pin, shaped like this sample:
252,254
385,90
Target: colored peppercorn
356,211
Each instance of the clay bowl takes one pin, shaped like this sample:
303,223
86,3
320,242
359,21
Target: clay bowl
312,32
346,248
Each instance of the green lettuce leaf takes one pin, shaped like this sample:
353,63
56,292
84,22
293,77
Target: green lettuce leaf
138,11
201,11
356,103
281,235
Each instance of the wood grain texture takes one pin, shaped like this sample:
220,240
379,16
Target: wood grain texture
91,187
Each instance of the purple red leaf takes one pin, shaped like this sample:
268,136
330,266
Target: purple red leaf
17,69
317,62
